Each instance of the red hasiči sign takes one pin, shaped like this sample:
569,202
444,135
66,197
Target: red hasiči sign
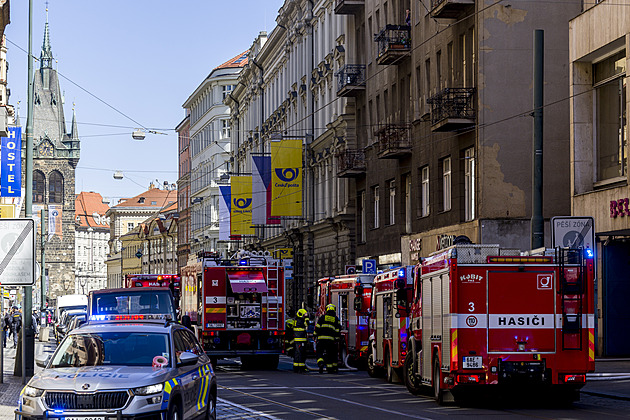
619,207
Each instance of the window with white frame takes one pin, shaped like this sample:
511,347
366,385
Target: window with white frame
225,129
227,89
376,198
609,82
392,202
424,191
446,184
469,184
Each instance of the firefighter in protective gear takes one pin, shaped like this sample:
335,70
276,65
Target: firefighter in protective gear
327,331
289,338
299,337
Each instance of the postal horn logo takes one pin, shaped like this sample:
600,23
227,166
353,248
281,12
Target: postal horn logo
242,203
287,174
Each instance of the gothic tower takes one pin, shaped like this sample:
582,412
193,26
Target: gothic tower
55,158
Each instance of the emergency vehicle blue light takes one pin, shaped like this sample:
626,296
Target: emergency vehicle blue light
58,411
401,273
98,318
589,253
242,262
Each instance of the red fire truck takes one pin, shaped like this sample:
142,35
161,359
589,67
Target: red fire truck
389,322
482,315
351,296
172,281
239,308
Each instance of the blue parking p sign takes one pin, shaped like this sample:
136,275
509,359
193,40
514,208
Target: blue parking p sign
369,267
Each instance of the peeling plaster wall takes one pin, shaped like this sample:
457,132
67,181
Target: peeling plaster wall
505,98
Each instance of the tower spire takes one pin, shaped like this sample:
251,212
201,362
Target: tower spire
75,130
46,57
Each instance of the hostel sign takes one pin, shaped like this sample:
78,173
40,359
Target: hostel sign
11,163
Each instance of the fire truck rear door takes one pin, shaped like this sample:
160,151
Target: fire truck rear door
521,311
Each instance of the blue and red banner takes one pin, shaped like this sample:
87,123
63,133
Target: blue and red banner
261,191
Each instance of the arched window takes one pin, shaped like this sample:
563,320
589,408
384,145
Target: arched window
39,187
55,188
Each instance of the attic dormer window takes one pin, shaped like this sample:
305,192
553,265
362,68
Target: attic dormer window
141,200
153,203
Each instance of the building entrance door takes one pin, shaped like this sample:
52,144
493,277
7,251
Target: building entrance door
616,294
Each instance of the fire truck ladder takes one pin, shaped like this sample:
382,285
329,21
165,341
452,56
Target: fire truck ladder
572,292
273,299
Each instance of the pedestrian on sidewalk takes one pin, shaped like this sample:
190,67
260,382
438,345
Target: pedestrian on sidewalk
6,328
35,323
8,322
16,325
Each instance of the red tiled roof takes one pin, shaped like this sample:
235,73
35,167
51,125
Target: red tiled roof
238,61
154,197
89,210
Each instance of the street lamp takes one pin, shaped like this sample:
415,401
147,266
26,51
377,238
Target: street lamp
140,133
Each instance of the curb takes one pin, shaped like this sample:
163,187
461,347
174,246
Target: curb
604,395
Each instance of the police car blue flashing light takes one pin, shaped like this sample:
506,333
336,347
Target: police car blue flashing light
589,253
401,273
242,262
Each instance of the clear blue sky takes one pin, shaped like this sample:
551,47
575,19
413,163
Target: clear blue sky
142,57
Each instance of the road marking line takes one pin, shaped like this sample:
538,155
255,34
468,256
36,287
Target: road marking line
249,410
366,406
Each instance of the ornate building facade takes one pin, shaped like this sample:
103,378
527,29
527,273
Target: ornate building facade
91,237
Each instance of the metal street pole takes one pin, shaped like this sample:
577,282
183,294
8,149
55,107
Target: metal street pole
28,339
538,223
44,237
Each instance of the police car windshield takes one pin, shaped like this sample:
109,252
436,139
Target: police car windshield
130,302
111,349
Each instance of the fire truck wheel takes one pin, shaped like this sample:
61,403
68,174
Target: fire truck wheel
373,370
438,394
411,381
272,361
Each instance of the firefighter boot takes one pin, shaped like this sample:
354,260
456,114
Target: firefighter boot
320,364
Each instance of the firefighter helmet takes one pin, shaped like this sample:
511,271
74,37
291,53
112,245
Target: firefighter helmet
301,313
330,307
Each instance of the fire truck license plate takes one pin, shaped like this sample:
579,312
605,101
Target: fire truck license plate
472,362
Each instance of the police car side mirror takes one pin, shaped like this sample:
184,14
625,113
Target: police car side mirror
187,358
43,362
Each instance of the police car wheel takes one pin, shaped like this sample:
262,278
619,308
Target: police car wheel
211,413
174,412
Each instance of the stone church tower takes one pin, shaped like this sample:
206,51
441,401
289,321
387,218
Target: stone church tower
55,158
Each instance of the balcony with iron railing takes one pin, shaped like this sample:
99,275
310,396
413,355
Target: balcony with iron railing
394,44
349,7
449,9
453,109
351,80
394,140
350,163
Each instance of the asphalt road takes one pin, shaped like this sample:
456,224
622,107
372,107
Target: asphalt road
354,395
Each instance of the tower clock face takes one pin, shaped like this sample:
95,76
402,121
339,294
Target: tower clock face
46,150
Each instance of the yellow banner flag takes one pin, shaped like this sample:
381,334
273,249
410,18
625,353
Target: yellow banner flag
286,177
241,208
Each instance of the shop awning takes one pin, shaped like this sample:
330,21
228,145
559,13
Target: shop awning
247,282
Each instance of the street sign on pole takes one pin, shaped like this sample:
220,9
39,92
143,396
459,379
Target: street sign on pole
17,252
369,266
351,269
573,232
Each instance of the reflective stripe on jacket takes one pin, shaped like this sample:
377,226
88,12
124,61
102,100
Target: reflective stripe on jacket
328,327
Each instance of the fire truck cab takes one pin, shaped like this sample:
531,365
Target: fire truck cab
482,315
351,296
389,323
237,306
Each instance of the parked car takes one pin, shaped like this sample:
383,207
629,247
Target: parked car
62,326
123,369
76,321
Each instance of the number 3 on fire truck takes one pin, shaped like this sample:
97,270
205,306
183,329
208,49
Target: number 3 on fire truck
471,306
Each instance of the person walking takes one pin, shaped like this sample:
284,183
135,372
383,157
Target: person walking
327,332
16,325
299,334
8,321
6,328
289,335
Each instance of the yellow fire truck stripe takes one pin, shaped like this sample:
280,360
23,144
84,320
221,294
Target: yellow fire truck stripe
454,347
591,345
215,310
